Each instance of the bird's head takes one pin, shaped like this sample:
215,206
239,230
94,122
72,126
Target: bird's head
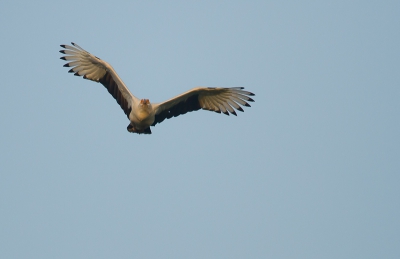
145,104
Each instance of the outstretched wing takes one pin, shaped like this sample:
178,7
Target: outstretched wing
212,99
93,68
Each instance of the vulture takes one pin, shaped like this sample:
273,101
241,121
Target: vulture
141,113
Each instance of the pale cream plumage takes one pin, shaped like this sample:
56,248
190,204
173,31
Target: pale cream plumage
141,113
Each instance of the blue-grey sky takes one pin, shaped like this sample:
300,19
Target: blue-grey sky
311,170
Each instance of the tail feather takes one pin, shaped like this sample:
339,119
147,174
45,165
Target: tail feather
132,129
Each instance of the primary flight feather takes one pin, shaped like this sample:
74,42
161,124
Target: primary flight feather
141,113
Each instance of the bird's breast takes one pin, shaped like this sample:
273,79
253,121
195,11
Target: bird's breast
141,118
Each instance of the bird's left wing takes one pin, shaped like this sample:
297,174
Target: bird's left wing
84,64
206,98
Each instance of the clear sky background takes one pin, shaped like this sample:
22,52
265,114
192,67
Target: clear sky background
311,170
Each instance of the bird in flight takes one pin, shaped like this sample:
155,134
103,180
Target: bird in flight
141,113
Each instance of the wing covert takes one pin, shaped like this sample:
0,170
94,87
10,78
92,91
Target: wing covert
224,100
84,64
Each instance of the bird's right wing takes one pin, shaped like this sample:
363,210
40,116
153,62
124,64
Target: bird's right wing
93,68
207,98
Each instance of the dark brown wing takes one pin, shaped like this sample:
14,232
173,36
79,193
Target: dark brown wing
212,99
93,68
188,105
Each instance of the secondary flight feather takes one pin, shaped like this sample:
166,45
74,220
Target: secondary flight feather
141,113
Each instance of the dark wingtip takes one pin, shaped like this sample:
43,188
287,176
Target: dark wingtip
250,100
62,51
71,70
76,74
240,109
66,65
226,113
72,43
62,45
251,94
63,58
234,113
247,105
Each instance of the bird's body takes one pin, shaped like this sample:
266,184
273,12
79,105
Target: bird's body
143,118
141,113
